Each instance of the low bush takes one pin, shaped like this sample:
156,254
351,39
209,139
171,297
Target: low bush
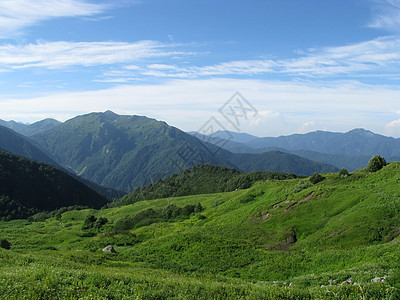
302,186
5,244
316,177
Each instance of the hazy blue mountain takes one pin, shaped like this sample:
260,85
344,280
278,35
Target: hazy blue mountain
351,150
237,137
227,142
16,143
357,142
16,126
277,161
28,187
31,129
124,152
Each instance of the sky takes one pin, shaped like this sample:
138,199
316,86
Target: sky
265,67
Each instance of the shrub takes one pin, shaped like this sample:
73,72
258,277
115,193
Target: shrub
316,177
343,173
5,244
89,222
198,208
302,186
99,223
376,163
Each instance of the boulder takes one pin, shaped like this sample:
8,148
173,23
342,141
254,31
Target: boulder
379,279
109,249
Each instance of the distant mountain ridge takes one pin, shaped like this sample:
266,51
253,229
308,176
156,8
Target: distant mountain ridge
125,152
16,143
353,143
351,150
31,129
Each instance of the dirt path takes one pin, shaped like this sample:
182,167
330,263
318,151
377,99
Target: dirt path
308,197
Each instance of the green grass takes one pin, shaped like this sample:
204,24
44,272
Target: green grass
271,241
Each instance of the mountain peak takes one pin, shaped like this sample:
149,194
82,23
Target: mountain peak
110,113
361,131
108,116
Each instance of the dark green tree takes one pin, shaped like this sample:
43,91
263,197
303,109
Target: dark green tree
376,163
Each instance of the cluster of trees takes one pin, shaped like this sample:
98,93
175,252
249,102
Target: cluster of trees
28,187
202,179
11,209
170,213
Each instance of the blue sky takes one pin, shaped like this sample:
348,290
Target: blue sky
304,65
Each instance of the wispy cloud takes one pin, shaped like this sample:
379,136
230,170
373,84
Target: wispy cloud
387,15
17,14
375,58
378,57
64,54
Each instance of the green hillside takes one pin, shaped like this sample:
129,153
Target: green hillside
279,239
125,152
28,187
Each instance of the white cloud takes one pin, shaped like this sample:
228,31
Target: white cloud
393,128
283,107
307,126
17,14
64,54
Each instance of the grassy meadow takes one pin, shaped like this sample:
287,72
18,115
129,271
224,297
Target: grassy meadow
279,239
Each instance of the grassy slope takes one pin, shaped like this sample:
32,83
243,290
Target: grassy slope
344,228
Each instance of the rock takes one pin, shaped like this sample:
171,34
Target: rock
379,279
348,281
109,249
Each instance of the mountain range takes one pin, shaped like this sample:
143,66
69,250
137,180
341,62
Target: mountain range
350,150
124,152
